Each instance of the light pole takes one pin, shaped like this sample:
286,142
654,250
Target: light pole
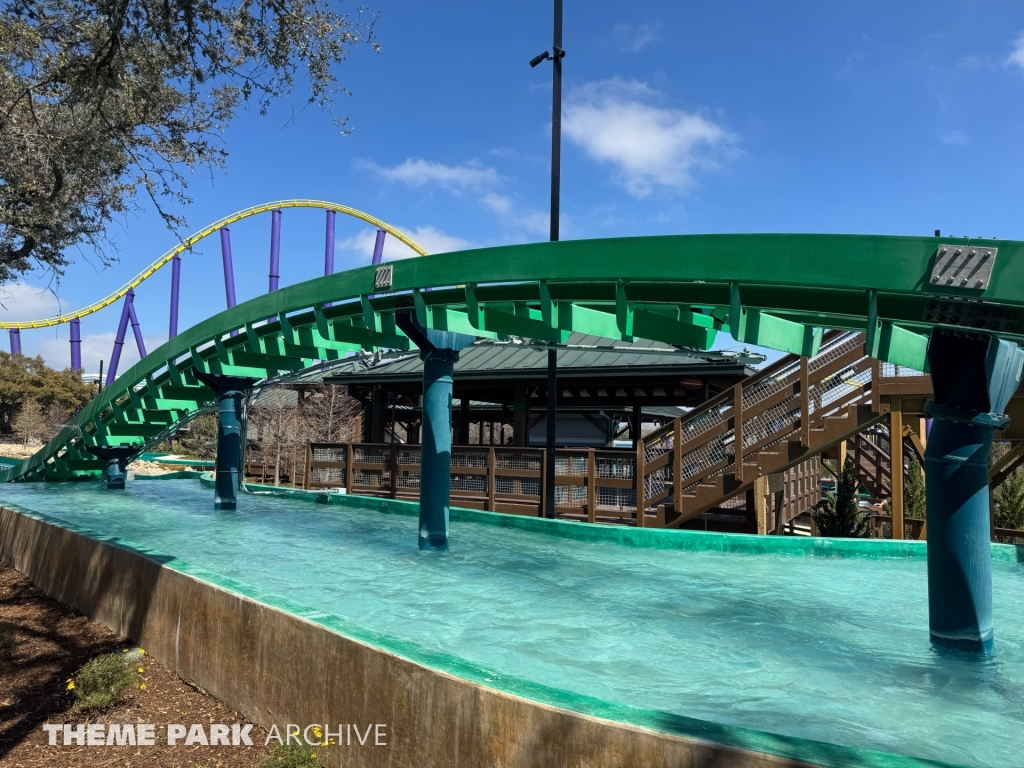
556,161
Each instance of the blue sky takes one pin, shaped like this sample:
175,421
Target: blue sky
680,117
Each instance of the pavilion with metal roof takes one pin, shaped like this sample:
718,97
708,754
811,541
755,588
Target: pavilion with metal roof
502,385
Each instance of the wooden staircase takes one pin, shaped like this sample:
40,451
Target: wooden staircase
871,464
784,416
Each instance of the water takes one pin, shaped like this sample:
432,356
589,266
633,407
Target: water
829,649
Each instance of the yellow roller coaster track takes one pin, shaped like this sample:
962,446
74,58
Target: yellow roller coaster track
186,244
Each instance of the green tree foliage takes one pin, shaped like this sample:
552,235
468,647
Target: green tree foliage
30,380
100,99
1008,497
199,440
839,513
913,490
1009,501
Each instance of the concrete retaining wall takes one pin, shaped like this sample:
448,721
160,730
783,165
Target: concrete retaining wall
278,668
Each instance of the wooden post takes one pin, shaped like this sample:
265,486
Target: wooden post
876,385
780,501
463,420
677,466
805,402
591,486
307,471
761,504
641,490
350,454
520,419
492,481
394,468
896,465
775,491
737,430
842,455
543,484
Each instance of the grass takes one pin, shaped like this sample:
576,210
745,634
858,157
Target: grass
292,756
7,641
101,682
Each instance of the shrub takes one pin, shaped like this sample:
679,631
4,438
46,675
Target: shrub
100,682
839,514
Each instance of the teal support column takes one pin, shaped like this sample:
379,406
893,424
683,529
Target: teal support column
229,449
436,448
974,375
116,458
439,351
228,475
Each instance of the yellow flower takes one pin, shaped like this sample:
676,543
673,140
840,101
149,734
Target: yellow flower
313,755
141,670
142,652
71,684
142,687
316,732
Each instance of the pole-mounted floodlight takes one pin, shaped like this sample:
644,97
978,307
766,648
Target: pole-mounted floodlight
556,161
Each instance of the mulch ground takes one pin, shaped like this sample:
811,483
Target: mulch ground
51,642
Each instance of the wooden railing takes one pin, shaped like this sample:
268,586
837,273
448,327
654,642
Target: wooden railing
592,485
766,425
482,477
767,431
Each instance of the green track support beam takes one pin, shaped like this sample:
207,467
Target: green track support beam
891,344
674,289
754,326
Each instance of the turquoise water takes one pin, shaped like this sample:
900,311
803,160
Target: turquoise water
829,649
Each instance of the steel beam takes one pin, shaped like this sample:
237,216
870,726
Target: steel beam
122,329
172,329
275,249
75,329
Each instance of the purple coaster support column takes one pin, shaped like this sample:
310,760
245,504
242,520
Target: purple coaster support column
329,245
15,341
122,328
76,343
135,325
378,247
175,287
229,270
275,249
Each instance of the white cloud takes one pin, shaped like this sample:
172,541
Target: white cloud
417,172
615,121
635,37
20,301
539,223
497,203
1017,56
31,302
52,344
535,222
958,138
431,239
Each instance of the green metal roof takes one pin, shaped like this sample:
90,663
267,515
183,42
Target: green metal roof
580,356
